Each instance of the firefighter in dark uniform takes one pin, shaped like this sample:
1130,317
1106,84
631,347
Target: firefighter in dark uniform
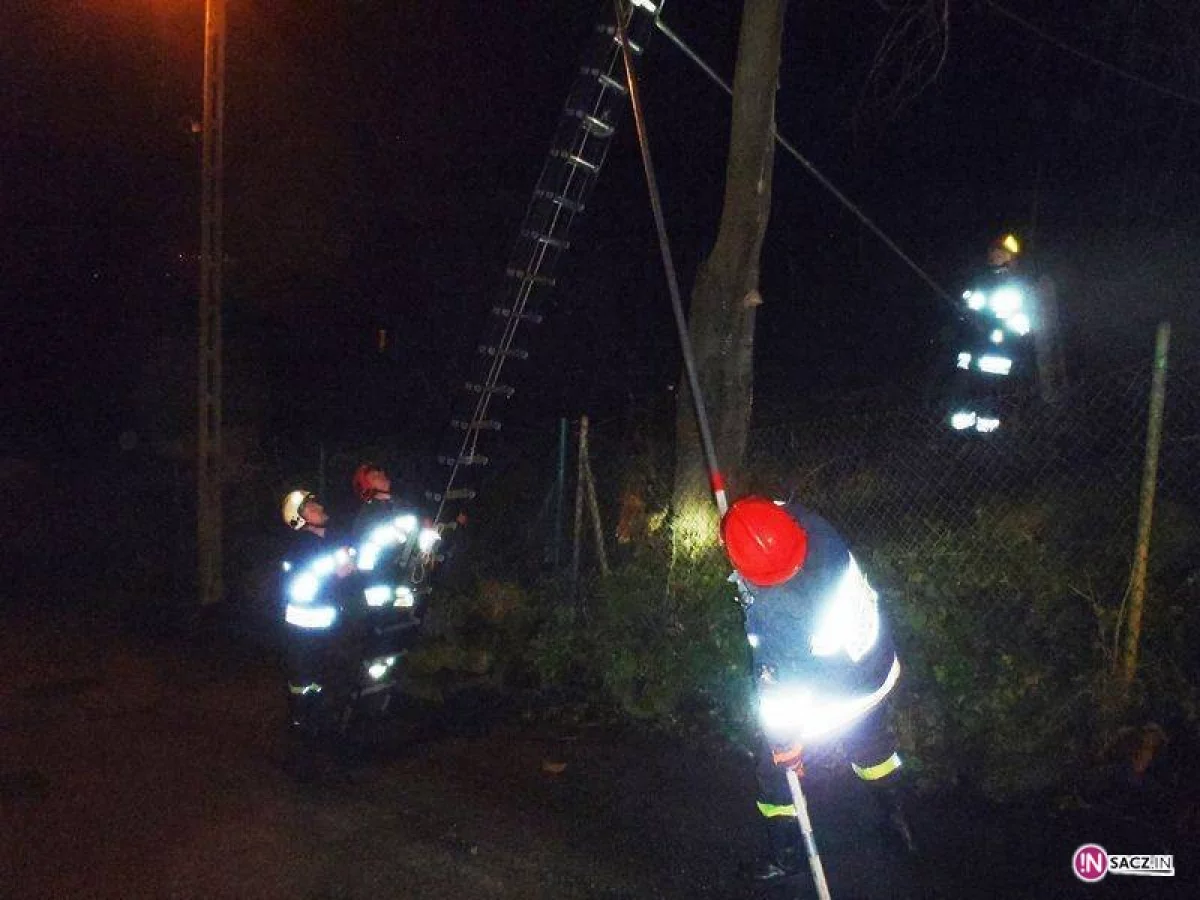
994,350
395,547
823,661
311,622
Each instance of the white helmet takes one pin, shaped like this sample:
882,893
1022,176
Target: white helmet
293,506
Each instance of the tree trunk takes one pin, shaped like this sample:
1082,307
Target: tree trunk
726,293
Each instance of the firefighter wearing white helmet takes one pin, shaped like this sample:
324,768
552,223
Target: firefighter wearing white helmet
302,511
311,640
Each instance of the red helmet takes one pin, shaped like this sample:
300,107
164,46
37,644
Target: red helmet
765,544
362,483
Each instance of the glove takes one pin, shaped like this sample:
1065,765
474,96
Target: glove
789,757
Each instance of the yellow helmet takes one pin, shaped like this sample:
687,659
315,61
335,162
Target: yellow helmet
1010,243
293,509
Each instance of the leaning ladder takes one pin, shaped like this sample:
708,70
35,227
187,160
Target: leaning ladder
577,153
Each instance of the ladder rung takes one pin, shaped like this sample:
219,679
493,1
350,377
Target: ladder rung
634,48
501,389
478,425
604,78
559,200
473,459
574,159
609,82
488,350
548,239
456,494
597,127
534,277
505,312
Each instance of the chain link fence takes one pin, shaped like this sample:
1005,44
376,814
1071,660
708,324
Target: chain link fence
1004,559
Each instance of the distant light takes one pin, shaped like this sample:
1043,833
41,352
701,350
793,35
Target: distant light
976,300
404,597
995,365
384,536
998,336
964,360
753,639
1006,301
962,420
379,667
1019,324
304,587
428,539
287,566
313,617
368,556
985,426
378,595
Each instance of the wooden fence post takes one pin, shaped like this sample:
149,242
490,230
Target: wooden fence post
1141,555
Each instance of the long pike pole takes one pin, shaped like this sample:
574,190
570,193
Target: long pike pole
716,481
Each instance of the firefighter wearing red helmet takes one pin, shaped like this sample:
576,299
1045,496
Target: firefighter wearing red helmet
824,663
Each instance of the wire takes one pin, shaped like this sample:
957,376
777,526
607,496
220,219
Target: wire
811,169
1087,57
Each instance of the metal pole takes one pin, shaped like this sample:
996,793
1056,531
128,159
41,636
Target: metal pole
578,533
715,478
560,487
208,431
1141,555
806,831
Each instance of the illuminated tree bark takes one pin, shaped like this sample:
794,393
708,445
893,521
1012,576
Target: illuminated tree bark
724,298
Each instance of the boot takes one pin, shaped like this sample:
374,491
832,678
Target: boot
785,862
893,821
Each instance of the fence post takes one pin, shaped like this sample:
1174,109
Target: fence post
578,532
559,493
594,506
1141,555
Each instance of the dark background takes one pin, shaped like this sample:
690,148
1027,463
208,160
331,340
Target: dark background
380,155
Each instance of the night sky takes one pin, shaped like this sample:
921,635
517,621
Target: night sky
380,155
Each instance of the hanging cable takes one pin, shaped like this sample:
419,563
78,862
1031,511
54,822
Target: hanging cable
715,479
810,168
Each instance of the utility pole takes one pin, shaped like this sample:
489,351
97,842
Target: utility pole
208,400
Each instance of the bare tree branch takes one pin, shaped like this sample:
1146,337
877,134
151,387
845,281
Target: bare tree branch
909,57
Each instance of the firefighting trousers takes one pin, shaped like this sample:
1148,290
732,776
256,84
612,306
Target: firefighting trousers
870,747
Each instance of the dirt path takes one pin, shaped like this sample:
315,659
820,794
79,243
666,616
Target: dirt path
136,770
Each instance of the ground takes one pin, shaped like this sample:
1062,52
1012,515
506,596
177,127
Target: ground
135,765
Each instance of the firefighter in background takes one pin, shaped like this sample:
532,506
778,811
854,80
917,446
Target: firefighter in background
995,352
311,638
396,546
372,486
823,661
